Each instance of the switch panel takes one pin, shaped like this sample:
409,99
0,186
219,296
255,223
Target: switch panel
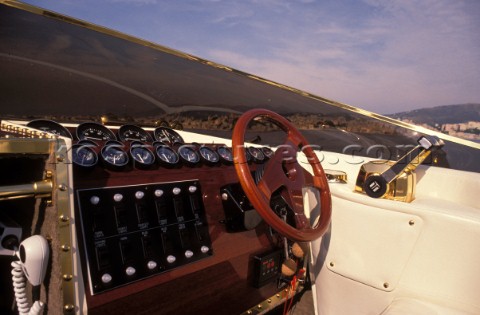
134,232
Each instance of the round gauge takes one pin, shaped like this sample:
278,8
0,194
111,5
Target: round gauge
50,126
188,154
225,153
114,155
83,155
248,155
89,143
94,131
167,155
165,134
132,132
268,152
141,154
256,154
209,155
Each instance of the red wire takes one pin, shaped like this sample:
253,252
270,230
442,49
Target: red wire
292,291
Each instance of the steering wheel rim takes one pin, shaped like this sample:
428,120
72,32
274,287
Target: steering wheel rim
283,171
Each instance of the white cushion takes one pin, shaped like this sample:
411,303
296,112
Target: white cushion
406,306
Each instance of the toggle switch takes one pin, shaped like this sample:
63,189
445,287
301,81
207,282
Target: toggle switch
162,211
103,257
142,215
121,217
127,251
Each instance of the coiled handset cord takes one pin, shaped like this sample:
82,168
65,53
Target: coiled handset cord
19,287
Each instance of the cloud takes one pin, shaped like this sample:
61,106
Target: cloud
402,54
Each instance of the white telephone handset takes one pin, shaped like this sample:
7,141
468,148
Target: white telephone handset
33,254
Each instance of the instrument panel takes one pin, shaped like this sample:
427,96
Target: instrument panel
151,216
156,221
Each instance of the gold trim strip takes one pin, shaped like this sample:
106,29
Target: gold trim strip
65,229
281,297
25,146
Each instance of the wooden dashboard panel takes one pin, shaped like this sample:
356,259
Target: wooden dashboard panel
220,283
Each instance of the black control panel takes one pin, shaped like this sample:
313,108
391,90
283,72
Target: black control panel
134,232
267,267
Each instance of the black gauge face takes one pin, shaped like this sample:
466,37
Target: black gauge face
89,143
167,155
209,155
188,154
256,154
248,155
142,155
225,153
94,131
114,155
83,155
165,134
132,132
268,152
50,127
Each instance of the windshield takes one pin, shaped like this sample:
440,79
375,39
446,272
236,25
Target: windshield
58,68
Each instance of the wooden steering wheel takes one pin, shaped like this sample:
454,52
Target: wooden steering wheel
284,172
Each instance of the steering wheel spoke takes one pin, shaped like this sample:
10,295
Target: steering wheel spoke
274,176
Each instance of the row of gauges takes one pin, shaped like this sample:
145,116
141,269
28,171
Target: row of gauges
95,131
115,154
132,143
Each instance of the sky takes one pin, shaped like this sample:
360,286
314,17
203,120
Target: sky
384,56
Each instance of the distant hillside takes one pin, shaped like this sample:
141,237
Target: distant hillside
447,114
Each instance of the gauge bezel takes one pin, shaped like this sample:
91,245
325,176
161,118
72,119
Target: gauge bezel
253,157
88,142
130,127
118,145
171,135
270,153
185,160
145,148
64,132
206,159
163,161
222,157
84,126
87,147
248,156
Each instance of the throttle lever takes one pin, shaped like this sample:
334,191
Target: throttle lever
376,186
